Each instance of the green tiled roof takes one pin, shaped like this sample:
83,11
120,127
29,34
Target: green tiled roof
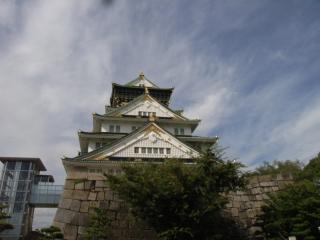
139,78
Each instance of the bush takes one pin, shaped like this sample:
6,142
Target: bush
50,233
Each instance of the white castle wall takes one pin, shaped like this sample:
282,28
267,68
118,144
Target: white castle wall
126,127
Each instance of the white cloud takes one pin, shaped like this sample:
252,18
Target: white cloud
299,136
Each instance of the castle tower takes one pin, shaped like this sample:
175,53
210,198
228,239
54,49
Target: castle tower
138,125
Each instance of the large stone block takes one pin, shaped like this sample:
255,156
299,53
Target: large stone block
92,196
94,204
65,203
253,180
79,185
75,205
265,178
80,195
84,206
64,215
82,230
80,219
89,184
101,184
67,193
83,219
69,184
70,232
100,196
235,212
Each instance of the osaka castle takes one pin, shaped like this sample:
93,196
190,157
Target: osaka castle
138,125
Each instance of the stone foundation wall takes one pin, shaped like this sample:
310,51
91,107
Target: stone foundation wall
77,201
80,195
245,206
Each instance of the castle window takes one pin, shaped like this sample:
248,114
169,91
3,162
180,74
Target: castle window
140,113
136,150
181,131
161,150
155,150
111,128
149,150
143,150
168,151
98,145
117,128
176,131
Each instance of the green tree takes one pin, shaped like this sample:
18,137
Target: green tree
279,167
312,170
3,216
50,233
182,200
98,225
294,211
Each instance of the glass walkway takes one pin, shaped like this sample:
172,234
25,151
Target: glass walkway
45,195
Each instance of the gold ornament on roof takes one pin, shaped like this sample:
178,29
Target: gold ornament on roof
141,75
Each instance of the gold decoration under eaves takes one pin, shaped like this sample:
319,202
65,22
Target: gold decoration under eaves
154,129
152,117
146,90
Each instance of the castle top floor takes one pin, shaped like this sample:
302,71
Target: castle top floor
122,94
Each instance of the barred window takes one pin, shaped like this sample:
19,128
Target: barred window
176,131
168,151
161,150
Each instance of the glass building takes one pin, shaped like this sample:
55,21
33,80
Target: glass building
22,188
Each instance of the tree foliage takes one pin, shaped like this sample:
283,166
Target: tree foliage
279,167
98,225
179,200
3,216
312,170
294,211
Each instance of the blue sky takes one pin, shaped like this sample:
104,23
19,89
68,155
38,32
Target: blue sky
249,69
